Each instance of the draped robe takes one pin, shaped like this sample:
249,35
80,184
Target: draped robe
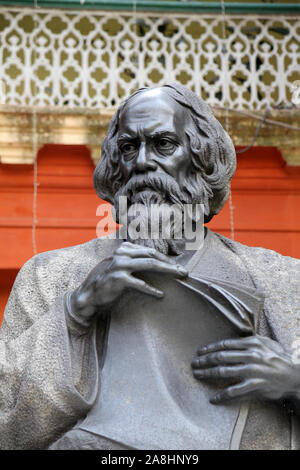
51,371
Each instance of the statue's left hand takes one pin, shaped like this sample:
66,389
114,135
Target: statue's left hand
260,366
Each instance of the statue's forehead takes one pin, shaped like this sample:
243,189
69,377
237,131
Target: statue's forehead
153,104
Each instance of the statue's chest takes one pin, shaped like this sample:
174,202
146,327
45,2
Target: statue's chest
148,396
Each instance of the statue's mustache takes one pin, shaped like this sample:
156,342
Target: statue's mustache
163,184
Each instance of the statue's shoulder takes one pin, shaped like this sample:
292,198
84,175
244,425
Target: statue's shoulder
49,274
258,255
88,253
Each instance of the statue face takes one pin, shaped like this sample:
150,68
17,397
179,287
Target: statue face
152,136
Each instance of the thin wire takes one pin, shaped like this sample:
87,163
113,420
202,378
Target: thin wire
224,50
259,126
35,167
134,15
258,117
35,183
135,36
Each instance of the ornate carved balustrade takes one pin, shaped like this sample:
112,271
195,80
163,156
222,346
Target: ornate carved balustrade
95,58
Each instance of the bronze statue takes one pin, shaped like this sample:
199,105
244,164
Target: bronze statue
141,343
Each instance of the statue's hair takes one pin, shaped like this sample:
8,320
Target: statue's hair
213,158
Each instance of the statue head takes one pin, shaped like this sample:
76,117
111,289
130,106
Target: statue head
167,140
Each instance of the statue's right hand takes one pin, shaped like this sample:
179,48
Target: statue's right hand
107,281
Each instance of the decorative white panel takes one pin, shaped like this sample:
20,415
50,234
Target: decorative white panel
96,58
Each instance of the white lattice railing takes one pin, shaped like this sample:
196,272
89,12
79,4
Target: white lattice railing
95,59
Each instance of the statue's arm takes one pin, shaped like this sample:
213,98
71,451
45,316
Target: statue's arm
48,368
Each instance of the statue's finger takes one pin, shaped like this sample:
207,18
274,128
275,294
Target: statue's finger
222,372
136,251
224,357
227,344
242,390
147,264
142,286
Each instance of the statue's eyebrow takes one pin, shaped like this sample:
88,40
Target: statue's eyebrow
156,135
126,136
160,134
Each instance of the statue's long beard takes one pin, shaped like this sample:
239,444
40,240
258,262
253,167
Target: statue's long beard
151,192
152,203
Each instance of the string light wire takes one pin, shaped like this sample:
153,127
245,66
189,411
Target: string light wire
259,126
259,117
35,183
225,52
35,166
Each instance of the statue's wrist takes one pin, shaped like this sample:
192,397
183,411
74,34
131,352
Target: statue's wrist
79,318
80,306
293,394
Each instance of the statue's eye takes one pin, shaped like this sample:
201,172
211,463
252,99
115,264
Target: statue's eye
128,150
165,145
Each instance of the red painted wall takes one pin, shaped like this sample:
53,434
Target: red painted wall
266,200
265,194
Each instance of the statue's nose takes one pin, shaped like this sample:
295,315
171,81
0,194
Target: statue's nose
144,161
